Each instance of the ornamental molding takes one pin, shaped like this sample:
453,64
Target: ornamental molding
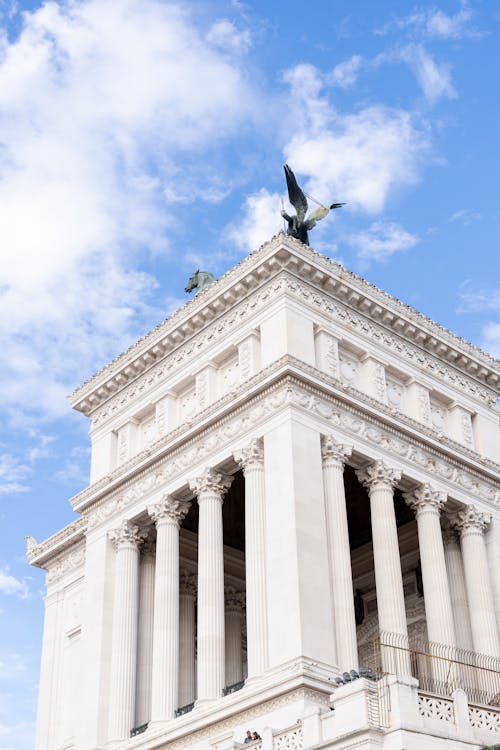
38,553
381,318
288,386
230,402
69,561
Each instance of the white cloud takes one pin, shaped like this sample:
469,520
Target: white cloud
224,34
12,586
13,474
381,240
358,158
261,220
433,78
436,24
345,74
92,94
465,216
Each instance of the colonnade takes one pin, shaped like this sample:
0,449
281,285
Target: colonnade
162,652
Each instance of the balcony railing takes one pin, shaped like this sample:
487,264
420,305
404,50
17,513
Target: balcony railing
440,669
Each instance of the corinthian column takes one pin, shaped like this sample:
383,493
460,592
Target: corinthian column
210,488
380,481
471,524
235,601
427,504
126,541
458,593
167,516
334,455
251,459
187,638
145,636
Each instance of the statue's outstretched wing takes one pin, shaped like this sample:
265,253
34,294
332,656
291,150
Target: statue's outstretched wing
295,194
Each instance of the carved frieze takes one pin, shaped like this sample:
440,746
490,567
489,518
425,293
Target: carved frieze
67,562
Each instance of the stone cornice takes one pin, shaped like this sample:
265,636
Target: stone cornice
287,382
322,274
39,554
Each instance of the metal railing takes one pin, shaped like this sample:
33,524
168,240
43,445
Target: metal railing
233,688
440,669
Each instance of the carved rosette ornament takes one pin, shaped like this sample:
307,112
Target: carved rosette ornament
251,457
210,484
472,521
127,534
334,453
187,583
169,510
425,499
378,475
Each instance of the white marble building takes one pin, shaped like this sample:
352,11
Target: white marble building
294,476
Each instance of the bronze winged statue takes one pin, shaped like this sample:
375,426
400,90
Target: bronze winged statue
298,225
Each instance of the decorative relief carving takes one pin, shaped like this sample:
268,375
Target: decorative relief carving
333,452
293,392
480,718
230,374
467,435
395,393
66,562
127,534
148,432
169,510
471,520
436,708
378,474
251,457
348,367
188,402
425,499
210,484
122,449
290,739
438,415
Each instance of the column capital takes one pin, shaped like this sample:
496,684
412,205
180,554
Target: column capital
449,529
251,456
471,521
187,583
210,483
378,474
425,499
168,510
234,600
148,547
333,452
127,534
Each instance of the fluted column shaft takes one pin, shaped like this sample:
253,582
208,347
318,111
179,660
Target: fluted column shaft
233,625
334,455
126,541
145,635
167,516
210,488
471,524
493,554
251,458
458,593
427,503
187,638
380,481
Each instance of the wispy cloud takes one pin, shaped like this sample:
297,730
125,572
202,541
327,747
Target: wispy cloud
433,78
381,240
435,23
465,216
345,74
12,586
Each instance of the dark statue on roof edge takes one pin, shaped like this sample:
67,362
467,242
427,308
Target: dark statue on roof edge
298,225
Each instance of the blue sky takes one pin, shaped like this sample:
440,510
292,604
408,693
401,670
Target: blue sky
140,139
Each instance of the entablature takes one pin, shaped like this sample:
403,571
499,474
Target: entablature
291,383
